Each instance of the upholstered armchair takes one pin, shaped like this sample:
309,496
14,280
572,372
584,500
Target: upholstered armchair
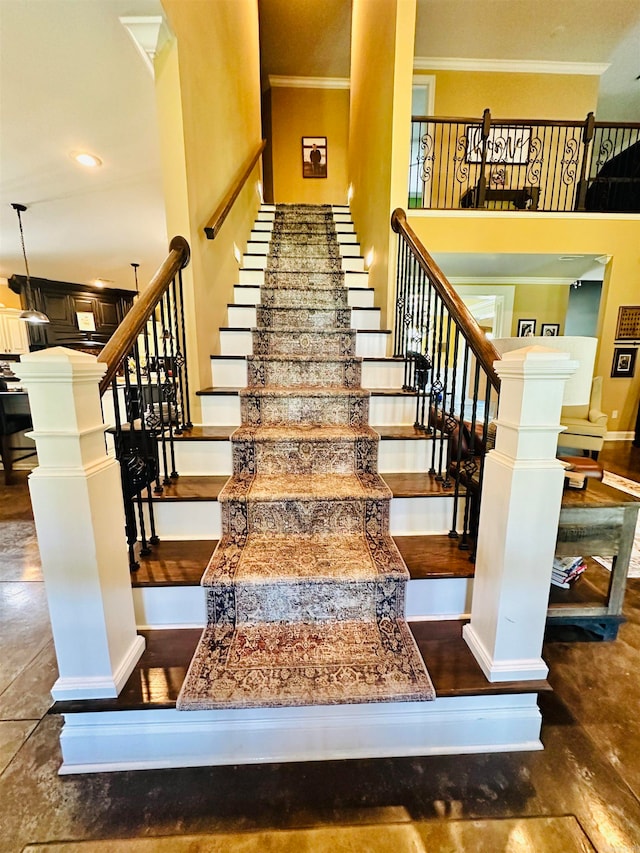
586,426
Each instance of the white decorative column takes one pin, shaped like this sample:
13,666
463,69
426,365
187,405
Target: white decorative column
77,503
521,497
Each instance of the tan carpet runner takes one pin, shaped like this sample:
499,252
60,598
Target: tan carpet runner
305,591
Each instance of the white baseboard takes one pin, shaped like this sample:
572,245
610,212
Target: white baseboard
138,740
621,435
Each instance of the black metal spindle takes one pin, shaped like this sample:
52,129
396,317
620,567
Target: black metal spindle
188,424
458,435
167,401
157,394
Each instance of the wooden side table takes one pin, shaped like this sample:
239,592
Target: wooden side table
599,521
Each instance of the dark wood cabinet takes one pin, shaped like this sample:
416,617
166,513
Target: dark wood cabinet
61,301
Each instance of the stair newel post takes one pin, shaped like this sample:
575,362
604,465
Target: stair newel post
587,137
76,494
519,513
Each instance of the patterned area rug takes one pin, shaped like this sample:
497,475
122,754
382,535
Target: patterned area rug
306,589
632,488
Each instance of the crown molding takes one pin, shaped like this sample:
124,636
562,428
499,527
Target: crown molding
510,66
469,280
279,82
149,33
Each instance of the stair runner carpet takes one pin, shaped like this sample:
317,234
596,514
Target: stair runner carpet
305,591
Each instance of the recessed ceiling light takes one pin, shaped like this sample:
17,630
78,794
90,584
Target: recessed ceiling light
102,282
87,159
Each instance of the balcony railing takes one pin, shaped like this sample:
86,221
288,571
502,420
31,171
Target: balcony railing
524,164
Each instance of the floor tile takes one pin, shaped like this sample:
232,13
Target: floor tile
13,734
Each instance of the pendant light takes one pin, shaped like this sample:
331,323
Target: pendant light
29,315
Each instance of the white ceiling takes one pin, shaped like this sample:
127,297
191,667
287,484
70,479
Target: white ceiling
71,78
505,268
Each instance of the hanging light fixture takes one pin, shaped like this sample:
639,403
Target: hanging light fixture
29,315
135,275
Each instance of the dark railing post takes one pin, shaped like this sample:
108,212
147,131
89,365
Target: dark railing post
583,183
482,181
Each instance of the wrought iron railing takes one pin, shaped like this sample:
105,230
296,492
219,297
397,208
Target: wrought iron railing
145,394
524,164
449,367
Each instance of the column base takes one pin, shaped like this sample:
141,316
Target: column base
523,669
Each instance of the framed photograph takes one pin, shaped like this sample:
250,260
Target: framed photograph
314,156
550,330
526,328
624,362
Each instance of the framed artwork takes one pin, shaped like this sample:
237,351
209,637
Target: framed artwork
628,328
526,328
624,362
550,330
86,321
314,156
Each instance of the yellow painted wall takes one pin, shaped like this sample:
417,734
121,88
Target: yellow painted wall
7,297
514,95
545,303
615,235
382,32
309,112
215,77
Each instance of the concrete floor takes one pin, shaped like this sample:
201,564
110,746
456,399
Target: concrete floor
589,769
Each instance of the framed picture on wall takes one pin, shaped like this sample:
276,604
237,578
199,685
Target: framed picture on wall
624,362
550,330
526,328
314,156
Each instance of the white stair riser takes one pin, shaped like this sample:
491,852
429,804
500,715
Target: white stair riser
397,455
136,740
263,225
360,298
229,372
344,228
340,217
247,295
260,261
400,411
421,516
260,236
170,607
255,275
202,520
184,607
439,598
220,409
203,458
348,240
245,316
266,216
257,248
240,342
384,411
381,374
187,519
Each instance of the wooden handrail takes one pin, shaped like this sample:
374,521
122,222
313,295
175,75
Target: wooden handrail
222,210
526,122
125,336
481,347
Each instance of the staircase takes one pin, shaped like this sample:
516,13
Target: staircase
326,539
306,589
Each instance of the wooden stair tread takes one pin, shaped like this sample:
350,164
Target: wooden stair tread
206,433
174,562
193,488
434,556
415,485
157,677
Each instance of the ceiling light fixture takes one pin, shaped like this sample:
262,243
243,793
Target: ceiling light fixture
135,275
29,315
87,160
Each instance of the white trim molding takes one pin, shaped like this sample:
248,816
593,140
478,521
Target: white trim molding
620,435
279,82
149,33
508,66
